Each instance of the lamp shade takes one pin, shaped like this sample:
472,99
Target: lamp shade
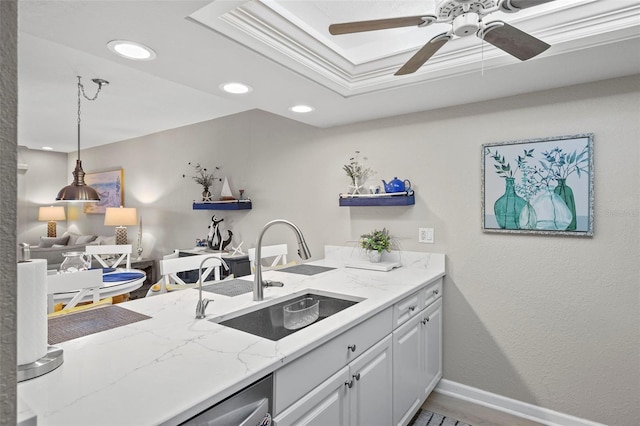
120,216
51,213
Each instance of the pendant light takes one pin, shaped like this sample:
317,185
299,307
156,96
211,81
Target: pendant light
79,191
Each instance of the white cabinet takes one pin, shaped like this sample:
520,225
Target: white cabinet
431,363
371,392
417,361
358,394
407,393
377,373
322,362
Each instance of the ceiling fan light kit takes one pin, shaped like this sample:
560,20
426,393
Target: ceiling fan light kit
465,18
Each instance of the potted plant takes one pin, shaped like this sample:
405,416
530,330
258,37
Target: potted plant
357,172
203,178
375,242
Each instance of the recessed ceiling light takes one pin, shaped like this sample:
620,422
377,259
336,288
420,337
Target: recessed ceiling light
235,88
301,109
47,148
131,50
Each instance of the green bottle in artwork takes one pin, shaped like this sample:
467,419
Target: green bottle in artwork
566,193
507,208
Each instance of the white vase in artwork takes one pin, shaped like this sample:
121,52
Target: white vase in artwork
551,211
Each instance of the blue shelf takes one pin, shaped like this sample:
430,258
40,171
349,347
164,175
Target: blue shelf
223,205
391,200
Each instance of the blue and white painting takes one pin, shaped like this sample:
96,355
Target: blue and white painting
539,186
109,186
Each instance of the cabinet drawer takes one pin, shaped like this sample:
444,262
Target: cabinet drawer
431,293
308,371
407,308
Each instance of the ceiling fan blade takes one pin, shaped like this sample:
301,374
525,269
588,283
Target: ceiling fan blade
378,24
512,40
423,55
515,5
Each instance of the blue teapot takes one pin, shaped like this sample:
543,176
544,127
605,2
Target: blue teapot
397,185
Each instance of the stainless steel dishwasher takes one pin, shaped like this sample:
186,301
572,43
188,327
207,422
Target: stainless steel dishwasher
249,407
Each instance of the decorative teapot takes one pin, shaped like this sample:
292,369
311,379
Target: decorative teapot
75,261
397,185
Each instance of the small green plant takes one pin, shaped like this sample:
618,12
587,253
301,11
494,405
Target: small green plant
376,241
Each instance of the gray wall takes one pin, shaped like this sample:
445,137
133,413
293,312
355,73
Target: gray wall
551,321
38,186
8,159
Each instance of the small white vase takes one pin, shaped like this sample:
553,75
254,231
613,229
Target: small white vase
375,256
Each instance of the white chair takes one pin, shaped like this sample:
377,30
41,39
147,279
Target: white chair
170,266
85,282
99,252
275,255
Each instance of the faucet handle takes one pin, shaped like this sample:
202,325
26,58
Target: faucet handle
267,283
201,307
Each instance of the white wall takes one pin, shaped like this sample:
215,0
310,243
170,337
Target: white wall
551,321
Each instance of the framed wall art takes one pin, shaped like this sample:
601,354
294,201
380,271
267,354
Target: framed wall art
110,187
539,186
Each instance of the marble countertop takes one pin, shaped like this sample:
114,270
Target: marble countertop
172,366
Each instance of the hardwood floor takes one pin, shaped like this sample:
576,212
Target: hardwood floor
473,414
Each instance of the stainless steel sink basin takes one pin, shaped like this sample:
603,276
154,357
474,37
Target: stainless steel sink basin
268,321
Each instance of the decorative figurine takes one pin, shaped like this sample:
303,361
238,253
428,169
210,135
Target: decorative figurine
214,238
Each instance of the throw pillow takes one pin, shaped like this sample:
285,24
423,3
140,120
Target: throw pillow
72,238
84,239
103,240
47,242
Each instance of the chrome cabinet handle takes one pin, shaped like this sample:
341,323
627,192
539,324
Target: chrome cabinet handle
352,348
425,321
436,292
356,376
412,308
349,384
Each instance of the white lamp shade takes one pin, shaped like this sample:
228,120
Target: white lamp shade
120,216
51,213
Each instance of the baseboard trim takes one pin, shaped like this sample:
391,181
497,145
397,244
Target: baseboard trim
509,405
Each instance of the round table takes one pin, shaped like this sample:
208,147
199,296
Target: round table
108,289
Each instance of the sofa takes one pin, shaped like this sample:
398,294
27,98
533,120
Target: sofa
52,248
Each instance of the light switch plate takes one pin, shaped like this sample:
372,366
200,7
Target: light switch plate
425,235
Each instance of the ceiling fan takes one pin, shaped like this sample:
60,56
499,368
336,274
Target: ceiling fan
465,17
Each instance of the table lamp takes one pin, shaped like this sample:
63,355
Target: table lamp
120,217
51,214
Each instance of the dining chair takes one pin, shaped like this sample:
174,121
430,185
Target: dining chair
275,255
101,253
84,282
171,266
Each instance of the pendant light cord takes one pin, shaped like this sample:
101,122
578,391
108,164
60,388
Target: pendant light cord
100,82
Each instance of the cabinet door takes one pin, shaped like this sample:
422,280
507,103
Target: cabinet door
407,387
431,363
325,405
371,395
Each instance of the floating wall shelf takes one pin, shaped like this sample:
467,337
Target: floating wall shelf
224,205
378,200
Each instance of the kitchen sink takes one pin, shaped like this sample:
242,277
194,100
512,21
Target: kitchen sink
269,321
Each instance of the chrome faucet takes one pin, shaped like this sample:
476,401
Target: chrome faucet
202,303
303,252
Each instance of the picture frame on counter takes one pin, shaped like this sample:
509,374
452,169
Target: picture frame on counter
538,186
110,187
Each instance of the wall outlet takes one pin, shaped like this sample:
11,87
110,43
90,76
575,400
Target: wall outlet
425,235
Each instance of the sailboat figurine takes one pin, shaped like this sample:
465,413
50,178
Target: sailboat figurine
226,194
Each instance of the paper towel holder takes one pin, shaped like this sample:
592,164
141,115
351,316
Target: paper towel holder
52,360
